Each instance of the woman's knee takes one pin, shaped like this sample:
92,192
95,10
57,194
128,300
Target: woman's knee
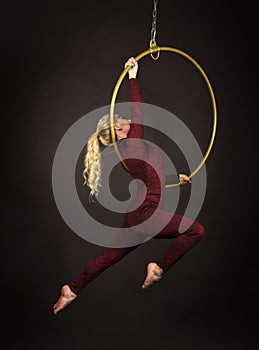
201,231
197,230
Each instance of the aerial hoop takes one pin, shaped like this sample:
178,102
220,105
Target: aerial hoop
151,51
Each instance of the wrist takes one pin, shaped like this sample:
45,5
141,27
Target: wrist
132,76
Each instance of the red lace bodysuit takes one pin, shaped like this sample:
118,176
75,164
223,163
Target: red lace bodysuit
144,163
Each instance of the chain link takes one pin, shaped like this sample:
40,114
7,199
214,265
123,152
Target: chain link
154,15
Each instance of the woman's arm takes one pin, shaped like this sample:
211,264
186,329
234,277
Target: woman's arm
134,150
136,108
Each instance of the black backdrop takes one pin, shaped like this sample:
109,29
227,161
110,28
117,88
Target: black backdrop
59,61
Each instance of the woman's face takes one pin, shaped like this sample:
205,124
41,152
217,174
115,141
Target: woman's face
121,128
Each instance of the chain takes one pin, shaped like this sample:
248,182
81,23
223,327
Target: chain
153,28
153,44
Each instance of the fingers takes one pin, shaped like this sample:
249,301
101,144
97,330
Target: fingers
133,67
184,179
131,62
187,179
183,182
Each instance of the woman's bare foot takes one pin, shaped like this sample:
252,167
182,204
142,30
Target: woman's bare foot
154,274
66,297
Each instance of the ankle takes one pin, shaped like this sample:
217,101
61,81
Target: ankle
158,269
66,291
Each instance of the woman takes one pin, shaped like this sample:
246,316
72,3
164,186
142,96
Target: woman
129,134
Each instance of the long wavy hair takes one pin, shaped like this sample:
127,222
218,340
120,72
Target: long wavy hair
92,160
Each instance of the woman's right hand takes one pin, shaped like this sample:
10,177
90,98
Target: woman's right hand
184,179
134,67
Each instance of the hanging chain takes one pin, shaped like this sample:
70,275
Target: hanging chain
153,44
153,28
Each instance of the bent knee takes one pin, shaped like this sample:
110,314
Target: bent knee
201,231
198,230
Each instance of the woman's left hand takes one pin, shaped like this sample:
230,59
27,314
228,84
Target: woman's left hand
134,67
184,179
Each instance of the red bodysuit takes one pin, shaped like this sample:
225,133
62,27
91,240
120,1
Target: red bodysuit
145,163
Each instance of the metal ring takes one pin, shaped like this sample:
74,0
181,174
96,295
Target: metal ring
153,46
204,76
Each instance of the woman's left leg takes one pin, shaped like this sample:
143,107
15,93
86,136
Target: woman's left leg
181,243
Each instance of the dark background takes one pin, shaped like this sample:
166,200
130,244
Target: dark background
59,61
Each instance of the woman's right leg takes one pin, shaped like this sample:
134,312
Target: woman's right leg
97,265
92,269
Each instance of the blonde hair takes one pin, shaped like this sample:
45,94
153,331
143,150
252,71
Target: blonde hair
92,160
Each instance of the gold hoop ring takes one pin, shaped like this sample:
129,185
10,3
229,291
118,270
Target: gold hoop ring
205,78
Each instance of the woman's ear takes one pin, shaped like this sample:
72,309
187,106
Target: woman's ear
116,131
